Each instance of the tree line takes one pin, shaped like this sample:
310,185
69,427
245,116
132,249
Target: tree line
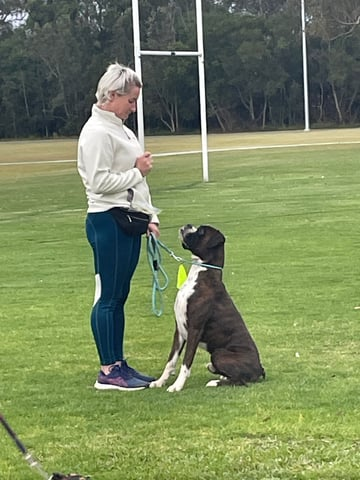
53,52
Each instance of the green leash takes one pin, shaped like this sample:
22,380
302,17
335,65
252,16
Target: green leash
157,270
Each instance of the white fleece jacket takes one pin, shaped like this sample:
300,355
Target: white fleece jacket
107,151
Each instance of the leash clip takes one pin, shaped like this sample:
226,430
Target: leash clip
175,257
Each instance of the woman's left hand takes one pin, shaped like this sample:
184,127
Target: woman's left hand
154,228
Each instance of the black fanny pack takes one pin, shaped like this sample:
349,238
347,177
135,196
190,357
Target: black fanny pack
132,223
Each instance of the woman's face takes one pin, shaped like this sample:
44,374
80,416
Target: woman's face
124,105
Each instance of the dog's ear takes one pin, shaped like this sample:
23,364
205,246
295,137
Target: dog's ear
216,239
201,231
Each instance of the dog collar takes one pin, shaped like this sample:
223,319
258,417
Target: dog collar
200,264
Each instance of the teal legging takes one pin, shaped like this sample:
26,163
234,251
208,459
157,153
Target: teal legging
116,256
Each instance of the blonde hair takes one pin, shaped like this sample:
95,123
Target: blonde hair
117,78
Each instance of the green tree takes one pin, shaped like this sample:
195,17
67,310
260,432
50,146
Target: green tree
52,54
335,35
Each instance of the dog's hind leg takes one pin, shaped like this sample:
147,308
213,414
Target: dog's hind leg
211,368
232,368
176,349
224,381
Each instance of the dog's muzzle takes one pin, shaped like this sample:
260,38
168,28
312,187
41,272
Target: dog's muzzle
184,231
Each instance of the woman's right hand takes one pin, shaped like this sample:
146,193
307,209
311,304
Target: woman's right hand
144,163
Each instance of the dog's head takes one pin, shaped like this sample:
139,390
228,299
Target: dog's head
205,242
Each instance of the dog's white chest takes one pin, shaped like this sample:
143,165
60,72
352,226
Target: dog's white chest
182,299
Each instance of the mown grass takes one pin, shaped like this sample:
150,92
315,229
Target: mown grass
291,219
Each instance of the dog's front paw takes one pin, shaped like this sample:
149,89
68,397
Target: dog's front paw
174,388
156,384
213,383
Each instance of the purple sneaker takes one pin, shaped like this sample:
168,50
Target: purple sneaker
134,373
119,379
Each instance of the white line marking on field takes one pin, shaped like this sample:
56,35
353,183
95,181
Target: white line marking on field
36,162
191,152
256,147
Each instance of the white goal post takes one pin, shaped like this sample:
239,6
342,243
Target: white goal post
199,54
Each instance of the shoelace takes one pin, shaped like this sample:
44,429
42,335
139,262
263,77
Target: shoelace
124,367
120,371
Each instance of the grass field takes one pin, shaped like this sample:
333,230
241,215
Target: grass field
291,218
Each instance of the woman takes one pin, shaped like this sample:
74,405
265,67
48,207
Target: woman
113,168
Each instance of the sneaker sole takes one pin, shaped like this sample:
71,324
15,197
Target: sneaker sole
106,386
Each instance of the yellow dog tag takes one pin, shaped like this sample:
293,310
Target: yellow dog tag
181,276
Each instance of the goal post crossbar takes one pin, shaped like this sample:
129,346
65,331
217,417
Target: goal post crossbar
173,53
138,53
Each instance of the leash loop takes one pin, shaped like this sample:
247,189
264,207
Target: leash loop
160,279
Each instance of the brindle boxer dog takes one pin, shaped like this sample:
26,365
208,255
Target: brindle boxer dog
207,317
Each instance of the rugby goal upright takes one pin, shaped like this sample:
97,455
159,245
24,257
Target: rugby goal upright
138,53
